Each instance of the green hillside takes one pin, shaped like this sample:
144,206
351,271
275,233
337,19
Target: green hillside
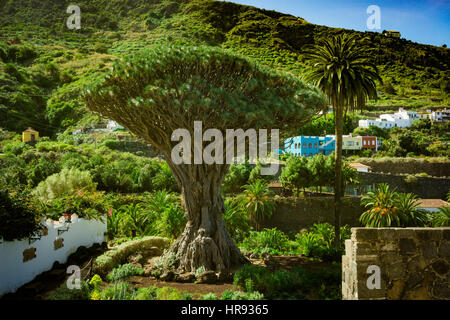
45,65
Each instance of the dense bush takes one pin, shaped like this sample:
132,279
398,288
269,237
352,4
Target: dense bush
236,220
268,240
18,219
387,208
236,178
65,182
64,293
321,283
124,272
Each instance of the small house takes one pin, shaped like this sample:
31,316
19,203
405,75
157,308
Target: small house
360,167
432,205
30,136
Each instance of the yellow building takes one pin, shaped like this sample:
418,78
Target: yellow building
351,143
30,136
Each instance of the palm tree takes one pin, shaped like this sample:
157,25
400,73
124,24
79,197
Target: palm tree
256,200
342,69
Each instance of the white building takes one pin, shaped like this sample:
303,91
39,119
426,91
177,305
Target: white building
112,126
440,116
401,119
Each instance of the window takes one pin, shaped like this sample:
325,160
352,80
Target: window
373,142
310,145
365,142
315,145
304,145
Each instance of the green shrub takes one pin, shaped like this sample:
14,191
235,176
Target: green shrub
124,272
256,201
146,293
118,291
441,218
47,146
187,296
209,296
119,254
273,241
16,148
164,179
17,219
64,293
167,261
235,220
324,283
239,295
236,178
169,293
65,182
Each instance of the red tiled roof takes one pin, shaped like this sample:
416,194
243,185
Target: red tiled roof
433,203
358,165
275,185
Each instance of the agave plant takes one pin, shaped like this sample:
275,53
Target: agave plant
442,218
256,200
382,210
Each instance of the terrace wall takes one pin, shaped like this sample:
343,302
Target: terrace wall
427,188
414,264
21,261
294,213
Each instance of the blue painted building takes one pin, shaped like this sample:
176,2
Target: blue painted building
309,145
326,145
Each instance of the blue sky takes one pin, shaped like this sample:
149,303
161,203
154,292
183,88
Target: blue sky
423,21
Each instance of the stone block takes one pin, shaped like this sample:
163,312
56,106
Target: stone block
396,290
348,247
364,248
58,243
441,267
428,250
396,271
444,250
388,258
407,246
388,234
29,254
446,234
364,234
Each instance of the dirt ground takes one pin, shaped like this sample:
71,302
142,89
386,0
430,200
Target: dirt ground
47,282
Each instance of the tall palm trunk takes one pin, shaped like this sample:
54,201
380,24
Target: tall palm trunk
338,173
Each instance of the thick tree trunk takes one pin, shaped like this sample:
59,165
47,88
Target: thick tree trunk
205,241
338,175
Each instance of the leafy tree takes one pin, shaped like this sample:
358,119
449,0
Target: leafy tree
345,73
155,92
237,176
296,174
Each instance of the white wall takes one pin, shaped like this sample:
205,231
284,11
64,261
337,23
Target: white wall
14,273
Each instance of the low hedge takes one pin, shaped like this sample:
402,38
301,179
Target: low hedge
118,255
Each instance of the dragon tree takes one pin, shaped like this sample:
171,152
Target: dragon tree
159,90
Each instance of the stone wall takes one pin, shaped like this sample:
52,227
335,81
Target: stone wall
436,167
295,213
427,188
410,263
